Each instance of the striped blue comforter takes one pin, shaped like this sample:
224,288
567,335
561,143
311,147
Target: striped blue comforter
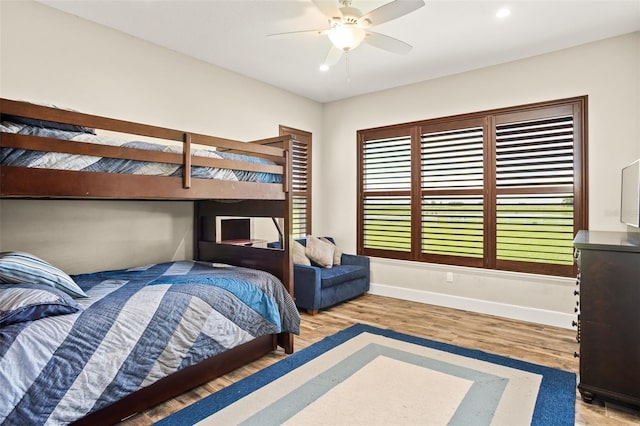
137,326
88,163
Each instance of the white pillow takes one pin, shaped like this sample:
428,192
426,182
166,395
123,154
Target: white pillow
337,253
20,267
299,256
319,251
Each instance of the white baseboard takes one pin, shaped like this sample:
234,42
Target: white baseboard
523,313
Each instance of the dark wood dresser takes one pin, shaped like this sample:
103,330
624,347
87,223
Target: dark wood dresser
609,315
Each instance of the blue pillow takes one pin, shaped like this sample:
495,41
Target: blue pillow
29,302
44,124
19,267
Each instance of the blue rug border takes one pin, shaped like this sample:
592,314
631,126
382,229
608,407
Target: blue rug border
549,409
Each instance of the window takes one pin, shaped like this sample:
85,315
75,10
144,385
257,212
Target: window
301,181
502,189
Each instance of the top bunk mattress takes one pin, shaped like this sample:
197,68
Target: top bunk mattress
88,163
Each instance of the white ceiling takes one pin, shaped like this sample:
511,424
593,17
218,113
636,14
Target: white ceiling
448,37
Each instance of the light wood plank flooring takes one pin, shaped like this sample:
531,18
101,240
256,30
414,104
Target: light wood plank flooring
550,346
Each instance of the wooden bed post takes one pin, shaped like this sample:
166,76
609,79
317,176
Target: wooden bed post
286,339
186,155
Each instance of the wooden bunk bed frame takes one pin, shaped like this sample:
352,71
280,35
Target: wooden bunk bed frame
211,198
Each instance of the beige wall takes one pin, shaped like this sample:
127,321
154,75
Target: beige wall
89,236
51,56
607,71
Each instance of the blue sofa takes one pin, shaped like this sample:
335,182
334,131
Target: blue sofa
317,288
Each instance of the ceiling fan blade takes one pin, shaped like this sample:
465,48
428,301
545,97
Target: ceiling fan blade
297,33
387,43
333,56
329,8
389,11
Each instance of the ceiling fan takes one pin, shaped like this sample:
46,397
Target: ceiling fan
348,27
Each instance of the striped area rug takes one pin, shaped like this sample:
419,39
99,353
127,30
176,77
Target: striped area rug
369,376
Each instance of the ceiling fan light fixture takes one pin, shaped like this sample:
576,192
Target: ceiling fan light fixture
503,13
346,37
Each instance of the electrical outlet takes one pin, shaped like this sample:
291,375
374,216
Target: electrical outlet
449,277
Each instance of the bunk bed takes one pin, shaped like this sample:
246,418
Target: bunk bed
48,152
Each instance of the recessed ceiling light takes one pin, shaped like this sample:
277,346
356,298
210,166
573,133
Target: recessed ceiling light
503,13
324,67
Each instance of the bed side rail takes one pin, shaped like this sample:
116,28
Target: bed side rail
188,141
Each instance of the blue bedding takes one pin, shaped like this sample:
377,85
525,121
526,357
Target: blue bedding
61,161
136,327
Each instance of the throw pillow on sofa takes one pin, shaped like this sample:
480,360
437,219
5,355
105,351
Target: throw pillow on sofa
337,253
299,256
319,251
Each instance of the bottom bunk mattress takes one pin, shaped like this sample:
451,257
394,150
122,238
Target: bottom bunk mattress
135,327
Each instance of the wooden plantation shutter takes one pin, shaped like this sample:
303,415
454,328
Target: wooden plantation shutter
385,182
534,190
301,189
452,182
301,181
502,189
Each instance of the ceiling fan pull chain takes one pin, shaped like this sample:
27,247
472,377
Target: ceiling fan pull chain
348,70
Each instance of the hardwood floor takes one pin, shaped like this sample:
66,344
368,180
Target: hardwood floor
550,346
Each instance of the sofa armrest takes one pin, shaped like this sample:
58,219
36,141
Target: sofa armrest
306,286
306,272
362,261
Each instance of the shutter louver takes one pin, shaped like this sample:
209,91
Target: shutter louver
535,153
387,165
388,223
300,188
387,202
453,226
538,228
534,186
452,160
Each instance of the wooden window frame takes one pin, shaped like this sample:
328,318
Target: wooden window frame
577,106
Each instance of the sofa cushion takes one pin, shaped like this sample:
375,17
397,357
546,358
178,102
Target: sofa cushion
339,274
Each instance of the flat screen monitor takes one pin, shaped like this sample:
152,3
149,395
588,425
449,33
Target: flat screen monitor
630,197
235,229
